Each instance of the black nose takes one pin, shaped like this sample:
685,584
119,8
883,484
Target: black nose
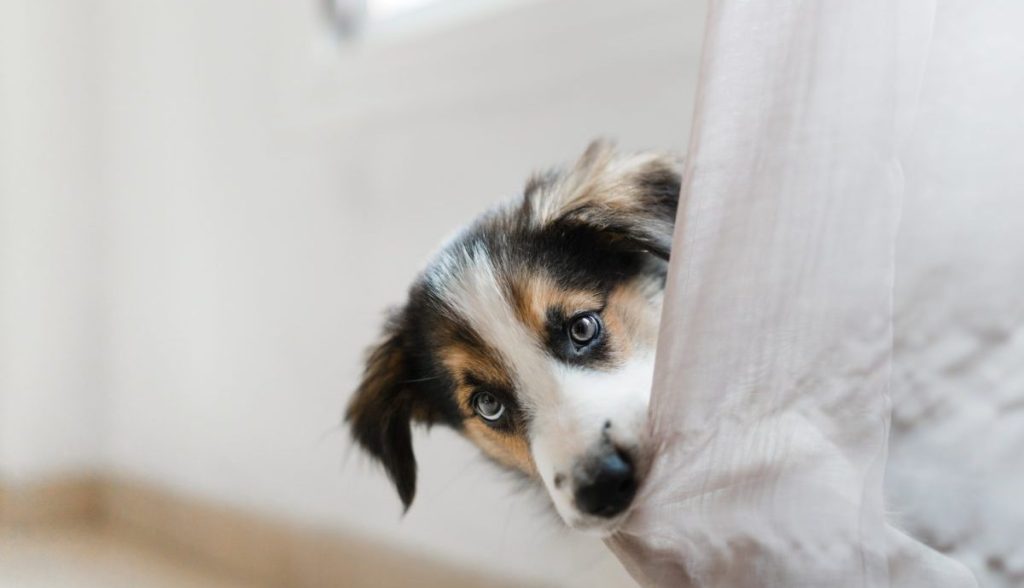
607,486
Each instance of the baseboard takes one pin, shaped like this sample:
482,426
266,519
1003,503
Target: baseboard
74,499
257,549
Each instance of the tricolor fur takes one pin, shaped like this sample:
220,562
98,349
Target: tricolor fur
494,326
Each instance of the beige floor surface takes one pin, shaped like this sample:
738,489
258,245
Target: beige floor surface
94,558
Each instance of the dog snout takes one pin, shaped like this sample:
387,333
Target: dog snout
605,484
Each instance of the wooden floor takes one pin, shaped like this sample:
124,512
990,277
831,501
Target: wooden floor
91,557
92,532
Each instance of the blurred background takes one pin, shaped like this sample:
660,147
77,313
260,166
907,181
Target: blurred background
205,208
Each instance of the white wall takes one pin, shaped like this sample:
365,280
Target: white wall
268,197
955,473
51,331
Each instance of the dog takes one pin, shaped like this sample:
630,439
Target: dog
532,333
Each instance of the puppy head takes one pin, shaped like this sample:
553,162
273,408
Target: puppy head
533,334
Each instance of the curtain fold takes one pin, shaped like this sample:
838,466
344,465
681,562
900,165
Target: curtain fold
771,402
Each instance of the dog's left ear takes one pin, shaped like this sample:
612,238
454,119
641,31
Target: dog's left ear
383,408
630,197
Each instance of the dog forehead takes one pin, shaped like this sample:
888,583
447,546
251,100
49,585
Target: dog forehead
480,295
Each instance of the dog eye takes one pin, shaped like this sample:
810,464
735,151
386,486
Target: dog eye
488,407
584,328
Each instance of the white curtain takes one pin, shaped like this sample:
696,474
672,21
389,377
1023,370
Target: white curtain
817,122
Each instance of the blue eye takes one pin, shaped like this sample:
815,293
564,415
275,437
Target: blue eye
584,328
488,407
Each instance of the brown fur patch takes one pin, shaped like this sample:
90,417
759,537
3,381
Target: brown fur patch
630,318
535,294
627,315
465,363
509,449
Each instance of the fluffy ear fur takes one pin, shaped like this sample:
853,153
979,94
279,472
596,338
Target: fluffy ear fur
381,411
633,197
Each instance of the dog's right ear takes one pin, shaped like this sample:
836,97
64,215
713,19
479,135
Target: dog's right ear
629,198
382,408
632,198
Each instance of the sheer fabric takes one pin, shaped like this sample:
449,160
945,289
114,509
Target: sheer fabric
772,397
